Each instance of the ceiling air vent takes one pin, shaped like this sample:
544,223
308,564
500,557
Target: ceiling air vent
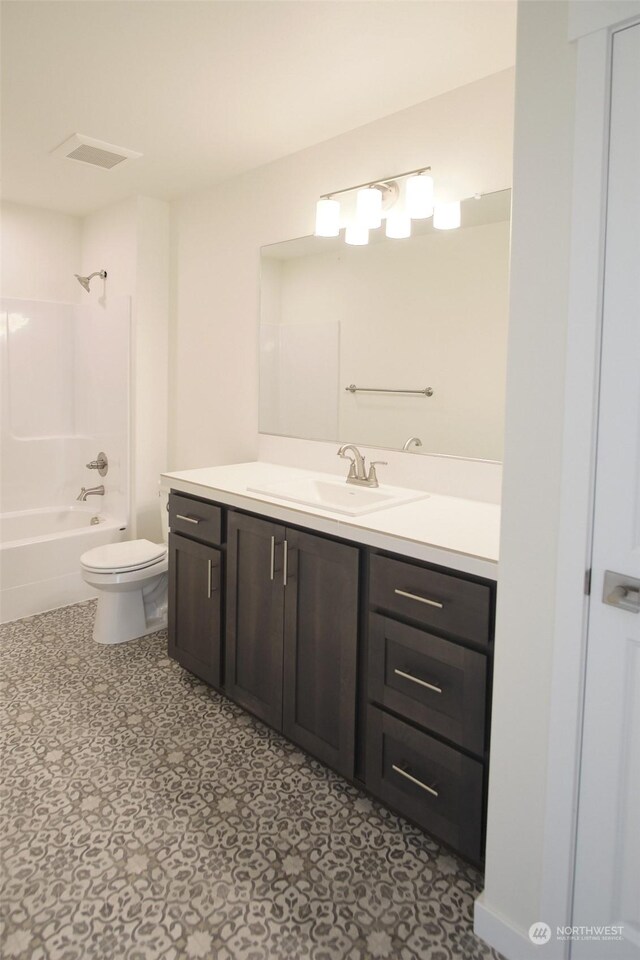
96,152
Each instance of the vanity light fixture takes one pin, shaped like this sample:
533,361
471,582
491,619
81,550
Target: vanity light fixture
369,207
446,216
377,200
356,235
327,217
398,226
419,196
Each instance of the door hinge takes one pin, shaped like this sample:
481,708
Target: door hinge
587,582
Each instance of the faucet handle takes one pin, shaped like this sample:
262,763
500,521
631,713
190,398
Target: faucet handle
372,477
101,464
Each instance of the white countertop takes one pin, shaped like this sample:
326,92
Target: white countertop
457,533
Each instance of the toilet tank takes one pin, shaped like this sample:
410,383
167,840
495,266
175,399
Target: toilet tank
163,494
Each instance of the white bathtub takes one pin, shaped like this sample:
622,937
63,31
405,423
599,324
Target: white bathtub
40,556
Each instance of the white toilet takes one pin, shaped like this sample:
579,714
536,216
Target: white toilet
130,579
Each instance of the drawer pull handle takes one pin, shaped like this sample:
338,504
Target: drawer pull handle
285,564
418,783
209,577
272,564
423,683
180,516
413,596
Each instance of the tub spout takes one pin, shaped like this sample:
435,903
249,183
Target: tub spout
91,492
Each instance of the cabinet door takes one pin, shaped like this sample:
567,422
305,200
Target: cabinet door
320,637
255,616
194,607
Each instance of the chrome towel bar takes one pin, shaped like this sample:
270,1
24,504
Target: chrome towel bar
426,392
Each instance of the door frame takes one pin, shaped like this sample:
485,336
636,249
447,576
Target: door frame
590,28
589,207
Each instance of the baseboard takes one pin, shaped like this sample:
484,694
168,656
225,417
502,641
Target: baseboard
511,941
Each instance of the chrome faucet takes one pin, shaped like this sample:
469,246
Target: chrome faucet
91,492
357,469
412,442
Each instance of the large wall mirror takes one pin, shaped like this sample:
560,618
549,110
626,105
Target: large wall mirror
429,313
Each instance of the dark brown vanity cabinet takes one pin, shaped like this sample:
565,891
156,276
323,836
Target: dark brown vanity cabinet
291,639
427,679
195,584
350,652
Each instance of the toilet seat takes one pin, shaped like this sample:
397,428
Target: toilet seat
128,556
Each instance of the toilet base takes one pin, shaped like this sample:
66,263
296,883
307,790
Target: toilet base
121,616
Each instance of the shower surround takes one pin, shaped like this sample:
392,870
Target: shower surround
64,374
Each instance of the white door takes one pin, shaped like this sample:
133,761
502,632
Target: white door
607,881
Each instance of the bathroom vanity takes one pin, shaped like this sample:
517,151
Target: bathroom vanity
365,639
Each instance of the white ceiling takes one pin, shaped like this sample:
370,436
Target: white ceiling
206,89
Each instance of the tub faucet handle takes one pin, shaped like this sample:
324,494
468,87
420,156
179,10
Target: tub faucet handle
101,464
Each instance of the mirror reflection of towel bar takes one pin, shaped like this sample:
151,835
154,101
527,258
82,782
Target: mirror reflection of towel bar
427,392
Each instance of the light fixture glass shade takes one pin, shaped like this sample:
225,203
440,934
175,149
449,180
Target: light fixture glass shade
327,218
369,207
398,226
356,235
446,216
419,196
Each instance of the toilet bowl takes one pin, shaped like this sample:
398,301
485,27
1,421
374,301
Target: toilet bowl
130,579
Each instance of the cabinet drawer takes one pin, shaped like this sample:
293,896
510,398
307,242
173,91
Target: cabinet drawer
195,518
431,681
435,785
444,603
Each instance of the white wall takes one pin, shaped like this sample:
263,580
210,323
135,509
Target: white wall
109,242
542,192
151,362
466,135
130,240
40,252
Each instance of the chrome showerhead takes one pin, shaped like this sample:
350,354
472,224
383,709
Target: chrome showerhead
85,281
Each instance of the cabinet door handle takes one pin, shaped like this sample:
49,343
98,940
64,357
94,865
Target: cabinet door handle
418,783
423,683
180,516
272,564
285,564
209,578
413,596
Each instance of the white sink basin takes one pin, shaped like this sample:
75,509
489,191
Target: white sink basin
338,496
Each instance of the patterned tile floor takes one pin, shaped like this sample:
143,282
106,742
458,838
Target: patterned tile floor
144,816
